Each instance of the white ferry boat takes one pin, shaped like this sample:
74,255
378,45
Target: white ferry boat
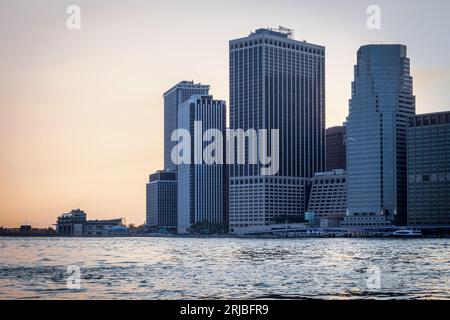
407,233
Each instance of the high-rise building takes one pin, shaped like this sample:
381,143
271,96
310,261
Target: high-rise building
276,82
162,200
162,188
173,97
429,169
335,148
328,198
202,192
382,100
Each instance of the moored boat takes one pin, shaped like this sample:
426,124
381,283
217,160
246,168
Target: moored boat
407,233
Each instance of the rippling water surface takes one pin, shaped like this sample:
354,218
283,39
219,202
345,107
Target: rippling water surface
181,268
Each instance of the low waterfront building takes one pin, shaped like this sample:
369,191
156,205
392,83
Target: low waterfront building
27,231
71,223
429,169
102,227
328,197
75,223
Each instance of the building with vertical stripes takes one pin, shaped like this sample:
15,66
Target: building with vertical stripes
202,190
161,206
429,169
173,97
382,101
276,82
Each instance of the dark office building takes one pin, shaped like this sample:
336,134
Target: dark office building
429,169
276,82
162,200
335,148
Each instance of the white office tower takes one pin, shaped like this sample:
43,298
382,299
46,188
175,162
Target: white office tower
202,188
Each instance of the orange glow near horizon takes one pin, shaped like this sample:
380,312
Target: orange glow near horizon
81,112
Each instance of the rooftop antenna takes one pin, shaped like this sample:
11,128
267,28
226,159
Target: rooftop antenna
287,31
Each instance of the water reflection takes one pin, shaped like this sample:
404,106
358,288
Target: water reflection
180,268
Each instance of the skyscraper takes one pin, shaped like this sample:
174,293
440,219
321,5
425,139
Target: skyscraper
162,200
335,148
202,191
429,169
382,100
161,191
276,82
173,97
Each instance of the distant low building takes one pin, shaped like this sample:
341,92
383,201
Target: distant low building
71,223
27,231
74,223
102,227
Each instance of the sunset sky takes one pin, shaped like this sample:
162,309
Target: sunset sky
81,111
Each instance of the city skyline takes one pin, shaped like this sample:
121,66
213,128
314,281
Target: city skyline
70,140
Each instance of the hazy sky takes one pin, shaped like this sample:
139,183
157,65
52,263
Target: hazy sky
81,110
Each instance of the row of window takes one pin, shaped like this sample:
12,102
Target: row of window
281,44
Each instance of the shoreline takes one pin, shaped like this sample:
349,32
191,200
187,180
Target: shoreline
227,237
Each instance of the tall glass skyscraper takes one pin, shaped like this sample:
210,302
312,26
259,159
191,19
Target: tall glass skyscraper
173,97
276,82
382,101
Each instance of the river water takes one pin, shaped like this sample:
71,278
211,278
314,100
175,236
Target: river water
223,268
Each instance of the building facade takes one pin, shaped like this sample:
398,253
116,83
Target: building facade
429,169
278,83
328,198
161,207
71,223
382,101
173,97
102,227
335,148
75,223
202,188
